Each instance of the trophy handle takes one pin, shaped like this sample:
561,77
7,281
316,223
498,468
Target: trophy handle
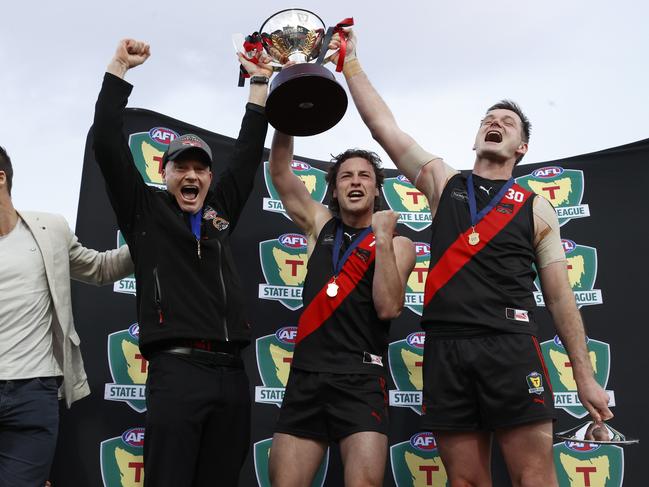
326,53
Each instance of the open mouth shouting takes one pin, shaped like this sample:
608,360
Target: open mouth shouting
189,192
493,136
355,195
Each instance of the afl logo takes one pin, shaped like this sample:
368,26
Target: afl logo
422,248
134,437
547,172
162,135
287,334
293,240
416,339
581,447
403,179
423,441
568,245
300,166
134,330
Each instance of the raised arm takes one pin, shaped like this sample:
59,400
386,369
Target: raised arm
560,301
428,172
306,213
235,184
125,184
395,258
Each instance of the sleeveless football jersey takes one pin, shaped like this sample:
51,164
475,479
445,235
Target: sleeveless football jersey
472,289
341,334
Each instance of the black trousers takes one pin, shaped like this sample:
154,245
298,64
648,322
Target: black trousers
29,426
197,423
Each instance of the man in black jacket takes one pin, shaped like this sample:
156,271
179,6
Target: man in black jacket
189,300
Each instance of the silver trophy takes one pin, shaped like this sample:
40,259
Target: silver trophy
595,433
305,98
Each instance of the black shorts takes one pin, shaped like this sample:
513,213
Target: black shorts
328,407
485,383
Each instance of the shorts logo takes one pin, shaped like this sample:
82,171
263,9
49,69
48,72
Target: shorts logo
122,459
261,453
126,285
414,299
581,464
417,463
274,357
564,188
535,383
582,272
147,149
313,178
283,262
562,379
412,205
128,369
406,358
517,315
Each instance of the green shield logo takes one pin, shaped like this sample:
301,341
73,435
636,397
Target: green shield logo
411,203
416,463
406,358
126,285
274,357
128,368
582,272
261,452
564,188
414,299
581,464
147,149
313,178
122,459
561,376
283,262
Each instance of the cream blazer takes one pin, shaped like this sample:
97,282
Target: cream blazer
64,258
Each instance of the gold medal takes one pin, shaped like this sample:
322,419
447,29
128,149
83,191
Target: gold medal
474,238
332,289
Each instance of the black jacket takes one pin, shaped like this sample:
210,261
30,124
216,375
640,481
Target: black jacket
180,294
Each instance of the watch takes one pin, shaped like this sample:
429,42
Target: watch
259,80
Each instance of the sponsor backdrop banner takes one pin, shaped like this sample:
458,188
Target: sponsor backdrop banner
601,205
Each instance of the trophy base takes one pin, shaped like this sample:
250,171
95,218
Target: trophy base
305,99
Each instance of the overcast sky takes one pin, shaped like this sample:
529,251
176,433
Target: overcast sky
578,68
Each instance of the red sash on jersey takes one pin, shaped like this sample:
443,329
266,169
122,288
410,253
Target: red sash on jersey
460,252
322,306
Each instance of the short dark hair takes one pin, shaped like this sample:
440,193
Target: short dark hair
5,165
526,126
371,157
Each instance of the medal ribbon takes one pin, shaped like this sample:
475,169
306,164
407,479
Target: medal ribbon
338,263
476,217
321,307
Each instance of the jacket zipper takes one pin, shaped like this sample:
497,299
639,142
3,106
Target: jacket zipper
157,295
225,297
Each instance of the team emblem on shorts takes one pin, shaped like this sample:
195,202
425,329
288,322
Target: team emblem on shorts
122,459
588,465
261,452
417,463
535,383
406,358
283,262
147,149
274,357
126,285
313,178
416,283
128,369
412,205
564,188
562,379
582,272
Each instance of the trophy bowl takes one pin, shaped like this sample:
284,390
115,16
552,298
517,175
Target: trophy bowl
595,433
304,98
